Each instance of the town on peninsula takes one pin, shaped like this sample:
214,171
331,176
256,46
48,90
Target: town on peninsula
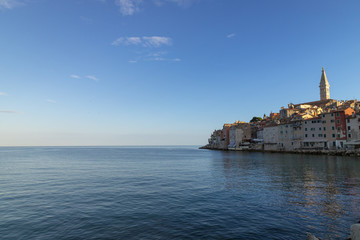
326,126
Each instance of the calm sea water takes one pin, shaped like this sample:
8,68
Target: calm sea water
174,193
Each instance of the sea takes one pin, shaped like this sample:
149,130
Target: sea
174,192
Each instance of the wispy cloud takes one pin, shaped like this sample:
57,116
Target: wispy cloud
3,94
161,56
128,7
9,4
92,78
75,76
182,3
127,41
231,35
50,101
161,59
156,41
153,41
9,111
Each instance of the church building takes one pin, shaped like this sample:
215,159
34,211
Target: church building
324,86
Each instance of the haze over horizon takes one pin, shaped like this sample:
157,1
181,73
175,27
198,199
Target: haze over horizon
165,72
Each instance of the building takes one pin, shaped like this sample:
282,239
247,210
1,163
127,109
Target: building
324,86
271,137
314,136
353,132
239,133
326,124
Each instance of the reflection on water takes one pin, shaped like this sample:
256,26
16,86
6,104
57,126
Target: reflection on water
318,190
174,193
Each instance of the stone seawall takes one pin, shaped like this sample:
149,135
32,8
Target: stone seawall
302,151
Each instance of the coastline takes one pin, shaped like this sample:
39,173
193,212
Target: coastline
350,153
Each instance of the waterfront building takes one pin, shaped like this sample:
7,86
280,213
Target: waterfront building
226,133
286,136
353,131
326,124
353,127
271,137
313,133
239,133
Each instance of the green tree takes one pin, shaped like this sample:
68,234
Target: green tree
255,119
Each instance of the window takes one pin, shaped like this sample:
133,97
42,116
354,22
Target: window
318,121
324,135
337,114
349,135
333,135
324,121
320,135
338,121
313,135
323,115
332,120
333,128
312,129
334,144
338,135
348,127
305,129
305,135
348,120
305,122
320,128
332,114
324,128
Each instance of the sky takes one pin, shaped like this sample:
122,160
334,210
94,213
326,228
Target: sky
165,72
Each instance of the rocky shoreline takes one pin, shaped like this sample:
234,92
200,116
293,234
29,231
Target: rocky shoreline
300,151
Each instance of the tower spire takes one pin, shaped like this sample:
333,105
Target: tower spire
324,86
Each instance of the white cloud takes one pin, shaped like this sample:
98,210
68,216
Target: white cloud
92,78
9,111
50,101
128,7
75,76
231,35
127,41
3,94
132,61
153,41
181,3
156,41
9,4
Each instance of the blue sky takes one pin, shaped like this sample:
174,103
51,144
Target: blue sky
165,72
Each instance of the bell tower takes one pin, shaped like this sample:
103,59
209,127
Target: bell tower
324,86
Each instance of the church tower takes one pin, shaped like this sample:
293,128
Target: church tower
324,86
